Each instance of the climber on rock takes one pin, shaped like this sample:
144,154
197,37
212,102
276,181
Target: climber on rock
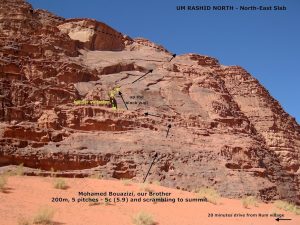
112,99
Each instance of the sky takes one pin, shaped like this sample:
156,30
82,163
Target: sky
265,43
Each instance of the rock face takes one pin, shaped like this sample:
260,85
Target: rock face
56,76
93,34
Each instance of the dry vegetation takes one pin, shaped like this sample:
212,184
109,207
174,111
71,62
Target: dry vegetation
52,172
249,201
44,216
287,206
96,175
3,182
19,170
210,194
60,183
145,187
156,182
143,218
127,182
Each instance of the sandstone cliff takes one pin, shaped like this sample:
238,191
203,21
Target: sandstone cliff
227,131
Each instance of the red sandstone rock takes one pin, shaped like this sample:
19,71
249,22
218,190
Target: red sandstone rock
227,131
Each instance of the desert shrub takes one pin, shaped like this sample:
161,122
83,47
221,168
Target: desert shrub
156,182
52,172
145,187
96,175
39,172
17,171
127,182
210,194
44,216
60,183
287,206
20,170
3,182
249,201
143,218
94,203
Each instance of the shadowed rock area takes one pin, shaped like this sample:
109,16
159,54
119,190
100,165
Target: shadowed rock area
227,131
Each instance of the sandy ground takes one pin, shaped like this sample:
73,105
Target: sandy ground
24,196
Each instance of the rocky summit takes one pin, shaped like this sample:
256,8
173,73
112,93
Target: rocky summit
79,97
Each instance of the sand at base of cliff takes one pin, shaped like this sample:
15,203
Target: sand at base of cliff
24,196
